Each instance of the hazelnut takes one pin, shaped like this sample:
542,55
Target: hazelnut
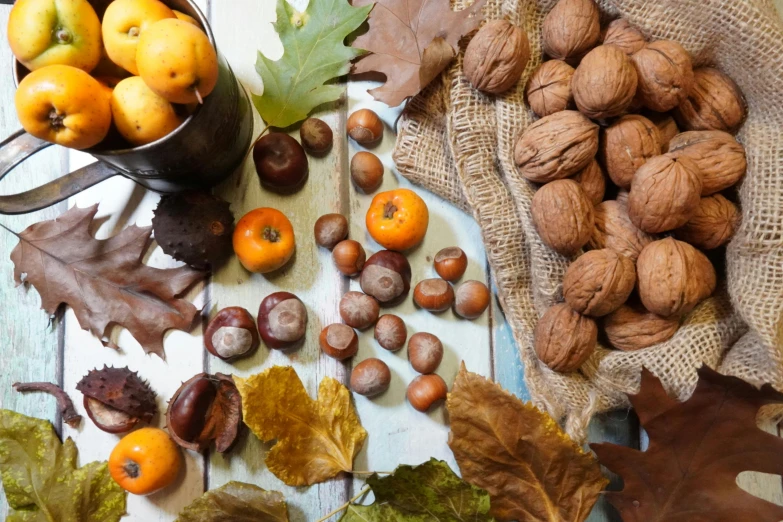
386,276
349,257
564,339
450,263
282,320
604,83
434,295
330,229
563,216
370,377
631,328
598,282
390,332
719,156
713,225
231,333
714,103
614,229
366,171
425,352
359,310
471,299
426,390
628,144
281,163
665,75
496,57
316,136
622,34
339,341
365,127
666,125
592,181
570,29
549,88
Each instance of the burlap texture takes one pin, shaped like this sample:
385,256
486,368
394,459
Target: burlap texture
459,143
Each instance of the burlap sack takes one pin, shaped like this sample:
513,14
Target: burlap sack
459,143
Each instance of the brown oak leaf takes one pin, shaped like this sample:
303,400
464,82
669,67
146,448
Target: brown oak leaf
697,448
104,281
532,470
412,41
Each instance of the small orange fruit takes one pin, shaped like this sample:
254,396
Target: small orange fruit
397,219
145,461
264,240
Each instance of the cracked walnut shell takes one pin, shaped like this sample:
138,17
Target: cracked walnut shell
631,328
496,57
719,156
626,145
598,282
713,225
622,34
549,88
614,229
604,83
714,103
564,339
563,216
571,29
665,75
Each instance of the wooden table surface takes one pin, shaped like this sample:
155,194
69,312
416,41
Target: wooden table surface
38,348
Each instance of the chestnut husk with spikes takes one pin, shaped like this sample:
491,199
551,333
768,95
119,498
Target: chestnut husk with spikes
117,399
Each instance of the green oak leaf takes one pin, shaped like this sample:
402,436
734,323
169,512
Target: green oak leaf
428,492
237,502
314,53
42,482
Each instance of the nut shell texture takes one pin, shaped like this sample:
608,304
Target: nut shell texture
628,144
713,225
564,339
631,328
614,229
496,57
622,34
563,216
592,181
370,377
571,29
282,320
121,389
719,156
714,103
598,282
604,83
549,88
665,74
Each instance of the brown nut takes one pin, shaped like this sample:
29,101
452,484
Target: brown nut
450,263
714,103
719,156
614,229
339,341
434,295
627,144
631,328
349,257
366,171
425,352
666,125
386,277
471,299
231,333
359,310
427,390
564,339
664,193
571,29
549,88
604,83
563,216
117,399
556,146
316,136
390,332
625,36
665,74
330,229
282,320
496,57
713,225
592,181
365,127
673,277
598,282
370,377
205,408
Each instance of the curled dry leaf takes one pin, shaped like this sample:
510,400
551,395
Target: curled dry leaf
237,502
631,328
563,216
628,144
571,29
564,339
592,181
614,229
719,156
622,34
714,103
549,88
598,282
713,225
604,83
496,57
665,75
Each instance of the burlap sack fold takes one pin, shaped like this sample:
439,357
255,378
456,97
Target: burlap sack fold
459,143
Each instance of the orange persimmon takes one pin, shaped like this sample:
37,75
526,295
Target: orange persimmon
397,219
264,240
145,461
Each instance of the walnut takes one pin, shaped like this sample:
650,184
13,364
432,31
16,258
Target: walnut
673,277
714,103
665,75
564,339
719,156
549,88
625,36
563,216
713,225
592,180
664,193
604,83
614,229
571,29
667,127
628,144
598,282
631,328
556,146
496,57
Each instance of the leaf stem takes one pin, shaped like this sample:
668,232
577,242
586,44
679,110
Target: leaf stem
363,492
70,417
260,135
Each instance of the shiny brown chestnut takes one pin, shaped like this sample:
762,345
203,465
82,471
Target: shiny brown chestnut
425,352
330,229
359,310
390,332
387,277
434,295
282,320
316,136
450,263
339,341
426,390
281,163
370,377
231,334
349,257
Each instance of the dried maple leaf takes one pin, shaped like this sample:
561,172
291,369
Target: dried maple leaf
104,281
412,41
316,440
237,502
532,470
697,449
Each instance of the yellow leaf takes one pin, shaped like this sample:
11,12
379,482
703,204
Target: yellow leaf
315,439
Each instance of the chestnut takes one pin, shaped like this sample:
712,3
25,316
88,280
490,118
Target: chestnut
316,136
231,333
370,377
365,127
450,263
366,171
434,295
281,163
471,299
330,229
390,332
387,277
425,352
339,341
426,390
349,257
359,310
282,320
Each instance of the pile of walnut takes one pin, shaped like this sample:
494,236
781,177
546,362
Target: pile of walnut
673,196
